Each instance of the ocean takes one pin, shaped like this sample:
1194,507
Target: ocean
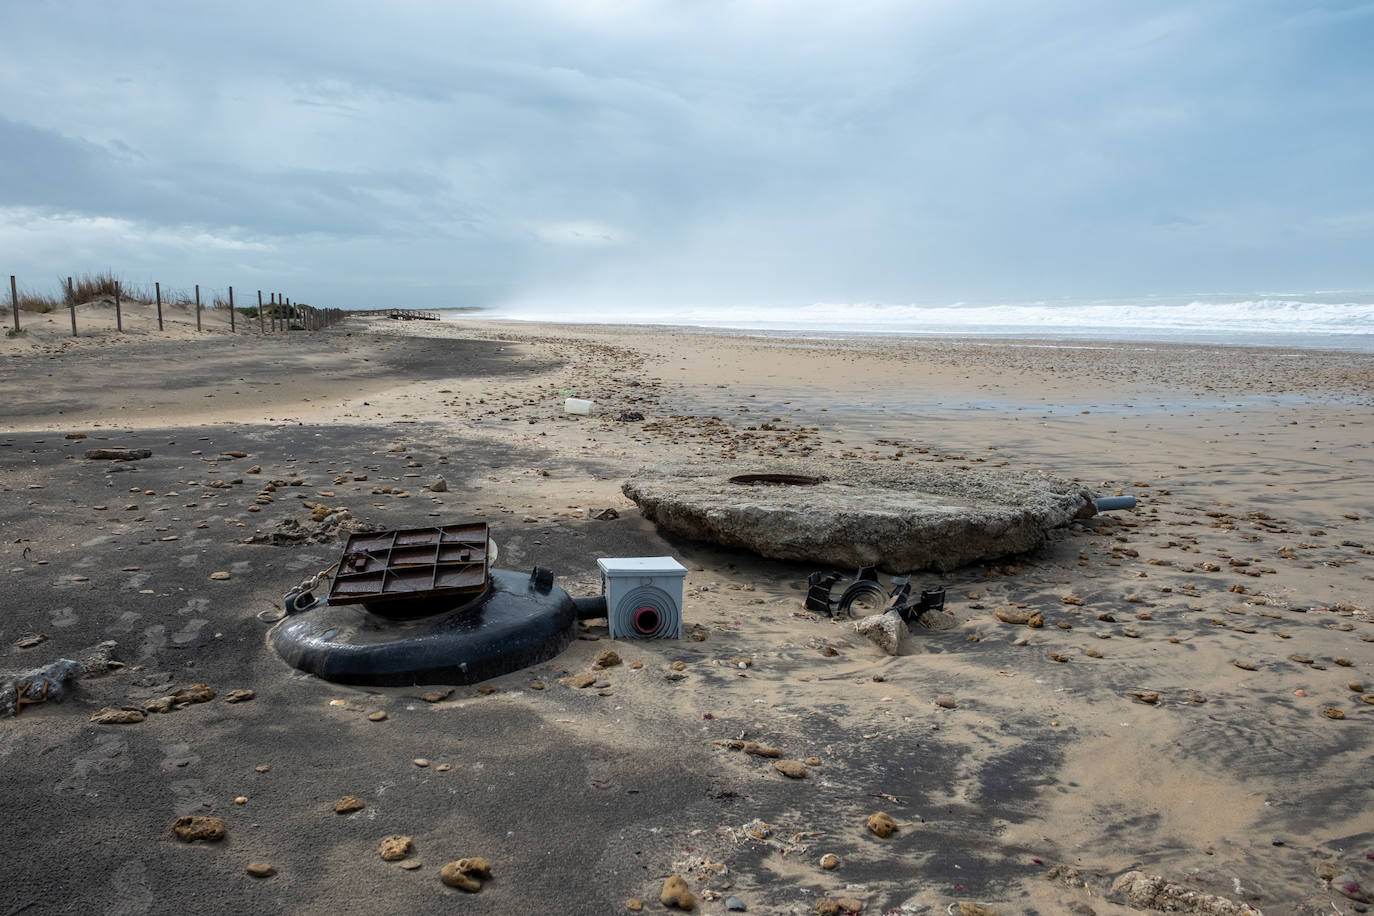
1341,320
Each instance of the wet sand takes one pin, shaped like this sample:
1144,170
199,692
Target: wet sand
1250,547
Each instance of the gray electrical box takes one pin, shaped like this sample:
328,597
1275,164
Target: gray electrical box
643,596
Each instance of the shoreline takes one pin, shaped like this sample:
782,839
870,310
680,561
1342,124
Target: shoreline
1240,551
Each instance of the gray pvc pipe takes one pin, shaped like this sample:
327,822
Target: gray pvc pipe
1108,503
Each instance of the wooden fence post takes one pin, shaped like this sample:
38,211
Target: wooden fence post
157,286
232,329
71,303
260,330
119,314
197,306
14,299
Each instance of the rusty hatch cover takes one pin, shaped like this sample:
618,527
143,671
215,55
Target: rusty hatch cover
412,565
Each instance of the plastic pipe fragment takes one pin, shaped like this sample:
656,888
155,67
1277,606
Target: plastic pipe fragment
1108,503
591,607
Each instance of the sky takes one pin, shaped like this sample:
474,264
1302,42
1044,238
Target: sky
728,153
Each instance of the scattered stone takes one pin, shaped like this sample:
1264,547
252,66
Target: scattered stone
241,800
1301,659
219,576
812,761
111,715
260,869
1145,696
487,690
830,861
394,848
1057,657
606,658
377,716
1066,875
1092,653
676,894
945,701
977,909
606,515
760,750
1332,712
1356,686
578,681
118,453
679,666
793,769
736,905
436,696
1154,893
239,696
437,485
885,630
1243,664
882,824
191,828
348,804
421,762
1343,662
537,685
411,865
634,904
29,642
1014,615
1195,697
453,876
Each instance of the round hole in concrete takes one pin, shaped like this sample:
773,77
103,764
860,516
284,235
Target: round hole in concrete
777,480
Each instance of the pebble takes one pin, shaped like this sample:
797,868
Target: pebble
735,904
1356,686
1145,696
421,761
1343,662
28,642
537,685
219,576
241,800
260,869
435,696
830,861
394,848
262,768
793,769
812,761
191,828
110,715
607,658
882,824
411,865
1243,664
945,701
1092,653
239,696
676,894
1332,712
634,904
377,716
679,666
348,804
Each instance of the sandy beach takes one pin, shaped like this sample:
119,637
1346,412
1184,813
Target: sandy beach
1197,705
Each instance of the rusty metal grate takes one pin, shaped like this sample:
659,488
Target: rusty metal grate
412,564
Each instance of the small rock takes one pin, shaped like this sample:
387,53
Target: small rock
219,576
28,642
241,800
536,685
885,630
882,824
122,716
239,696
945,701
977,909
1152,892
453,876
118,453
436,696
634,904
1343,662
793,769
421,762
830,861
1332,712
1145,696
606,658
579,681
348,804
394,848
1092,653
760,750
260,869
676,894
606,515
195,827
735,905
437,485
410,865
679,666
1243,664
1356,686
1014,615
812,761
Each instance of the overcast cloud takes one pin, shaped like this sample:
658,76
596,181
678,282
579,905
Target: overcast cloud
725,153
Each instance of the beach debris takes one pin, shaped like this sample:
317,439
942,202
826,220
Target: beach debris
348,804
676,894
118,453
394,848
333,525
866,593
466,874
882,824
53,681
885,630
121,715
193,827
1153,892
856,513
630,416
260,869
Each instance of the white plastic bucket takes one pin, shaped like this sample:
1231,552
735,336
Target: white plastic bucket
577,406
